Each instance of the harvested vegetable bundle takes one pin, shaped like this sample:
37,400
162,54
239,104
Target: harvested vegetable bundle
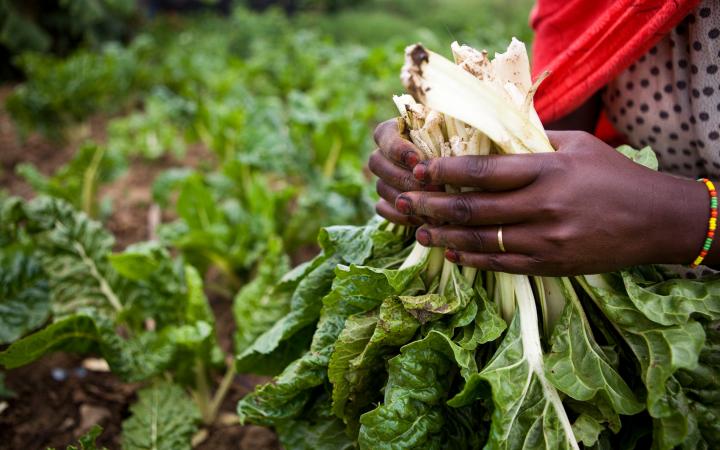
389,346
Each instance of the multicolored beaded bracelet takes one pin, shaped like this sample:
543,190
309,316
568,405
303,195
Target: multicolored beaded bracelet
712,223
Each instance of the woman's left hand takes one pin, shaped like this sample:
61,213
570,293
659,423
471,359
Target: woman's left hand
583,209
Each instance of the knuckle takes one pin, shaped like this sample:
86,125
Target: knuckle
408,181
461,210
481,167
479,240
559,238
495,263
550,210
437,170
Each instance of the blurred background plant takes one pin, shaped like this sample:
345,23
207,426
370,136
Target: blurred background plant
246,125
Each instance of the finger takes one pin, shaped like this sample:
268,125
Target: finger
497,262
477,239
386,210
393,175
394,146
469,208
490,173
387,192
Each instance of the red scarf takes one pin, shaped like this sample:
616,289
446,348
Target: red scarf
586,44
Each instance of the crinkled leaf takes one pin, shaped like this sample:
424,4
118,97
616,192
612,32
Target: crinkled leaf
24,295
355,289
158,288
138,261
259,305
486,326
645,156
524,415
76,182
198,308
318,429
164,417
577,366
141,357
413,413
587,430
358,372
195,204
350,344
73,250
305,306
76,333
661,351
675,301
87,440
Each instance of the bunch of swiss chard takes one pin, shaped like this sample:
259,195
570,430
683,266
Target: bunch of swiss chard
386,345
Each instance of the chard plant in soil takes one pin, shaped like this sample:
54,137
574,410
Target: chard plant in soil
386,345
62,288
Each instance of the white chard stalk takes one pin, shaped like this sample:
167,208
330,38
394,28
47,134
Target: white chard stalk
479,106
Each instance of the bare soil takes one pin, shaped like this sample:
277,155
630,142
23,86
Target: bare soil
47,412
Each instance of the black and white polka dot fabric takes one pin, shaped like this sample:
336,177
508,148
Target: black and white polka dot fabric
670,98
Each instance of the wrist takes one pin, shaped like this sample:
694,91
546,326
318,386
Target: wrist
681,221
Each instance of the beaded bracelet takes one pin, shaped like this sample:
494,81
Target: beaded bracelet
712,223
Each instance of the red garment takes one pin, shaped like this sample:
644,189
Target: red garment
585,44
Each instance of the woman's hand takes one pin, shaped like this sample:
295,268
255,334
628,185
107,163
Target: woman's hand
583,209
393,162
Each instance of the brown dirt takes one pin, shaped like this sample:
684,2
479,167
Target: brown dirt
53,413
50,413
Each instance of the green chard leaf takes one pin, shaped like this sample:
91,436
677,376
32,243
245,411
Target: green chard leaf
414,413
587,429
318,429
273,349
24,295
357,366
73,251
164,417
457,295
645,156
577,365
355,289
674,301
87,441
523,418
661,350
487,325
259,305
134,359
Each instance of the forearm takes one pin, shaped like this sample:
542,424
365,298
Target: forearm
680,227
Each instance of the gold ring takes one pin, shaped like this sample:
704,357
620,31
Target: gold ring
500,239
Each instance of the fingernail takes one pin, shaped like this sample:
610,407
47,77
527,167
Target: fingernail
403,205
452,256
420,171
411,159
423,236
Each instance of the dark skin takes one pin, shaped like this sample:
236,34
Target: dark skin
582,209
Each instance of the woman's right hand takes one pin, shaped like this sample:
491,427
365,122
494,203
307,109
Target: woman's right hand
393,162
